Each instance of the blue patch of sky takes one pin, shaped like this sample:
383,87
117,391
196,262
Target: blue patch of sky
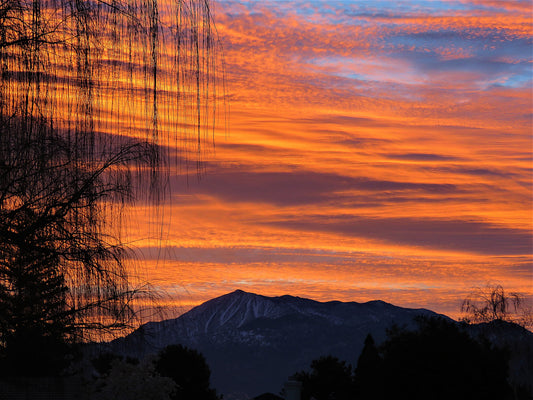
356,12
372,5
519,80
405,7
365,7
425,40
339,10
459,38
478,42
520,49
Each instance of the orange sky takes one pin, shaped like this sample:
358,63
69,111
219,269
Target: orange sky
376,150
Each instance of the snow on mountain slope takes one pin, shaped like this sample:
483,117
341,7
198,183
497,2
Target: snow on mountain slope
239,316
253,343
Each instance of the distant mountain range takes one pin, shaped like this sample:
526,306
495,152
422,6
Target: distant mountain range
253,343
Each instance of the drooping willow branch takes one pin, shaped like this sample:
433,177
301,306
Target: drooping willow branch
100,100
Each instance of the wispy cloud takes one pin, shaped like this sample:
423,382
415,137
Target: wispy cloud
377,149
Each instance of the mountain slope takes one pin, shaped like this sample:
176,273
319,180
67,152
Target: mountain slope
254,343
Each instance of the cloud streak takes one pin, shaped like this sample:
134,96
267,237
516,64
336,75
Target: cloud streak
377,149
467,236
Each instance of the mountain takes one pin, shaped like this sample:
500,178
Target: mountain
253,343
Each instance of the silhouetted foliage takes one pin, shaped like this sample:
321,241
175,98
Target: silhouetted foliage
84,88
368,380
437,361
33,318
492,303
125,380
60,278
103,362
188,368
329,379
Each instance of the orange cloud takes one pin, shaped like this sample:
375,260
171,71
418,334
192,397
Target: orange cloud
372,154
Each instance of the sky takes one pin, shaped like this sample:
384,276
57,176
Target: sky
375,150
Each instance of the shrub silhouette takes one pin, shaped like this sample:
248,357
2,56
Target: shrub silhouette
188,368
438,361
127,380
329,378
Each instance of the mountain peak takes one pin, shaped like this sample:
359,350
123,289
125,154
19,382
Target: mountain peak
253,343
238,292
242,332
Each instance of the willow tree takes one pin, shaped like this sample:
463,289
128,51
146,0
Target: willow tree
493,303
99,101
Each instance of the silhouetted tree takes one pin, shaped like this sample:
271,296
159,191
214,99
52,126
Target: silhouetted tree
492,303
91,105
441,361
133,381
329,379
188,369
367,378
103,362
438,360
33,317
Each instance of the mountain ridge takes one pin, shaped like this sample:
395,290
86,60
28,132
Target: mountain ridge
238,295
253,343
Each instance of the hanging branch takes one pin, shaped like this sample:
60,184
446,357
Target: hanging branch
95,95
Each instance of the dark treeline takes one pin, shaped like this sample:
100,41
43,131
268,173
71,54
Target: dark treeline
176,372
439,360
